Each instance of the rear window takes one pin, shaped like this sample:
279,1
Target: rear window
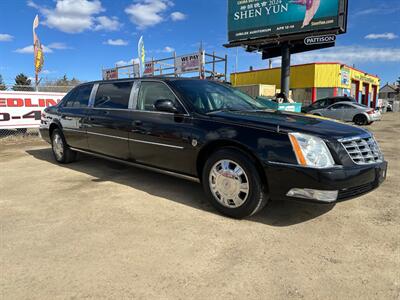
113,95
79,97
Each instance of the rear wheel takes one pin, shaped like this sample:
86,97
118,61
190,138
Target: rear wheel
360,120
233,184
62,153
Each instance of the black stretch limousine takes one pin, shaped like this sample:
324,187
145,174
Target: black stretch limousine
243,154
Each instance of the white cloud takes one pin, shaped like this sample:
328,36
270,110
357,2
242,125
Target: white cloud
384,36
350,54
4,37
48,72
178,16
147,13
58,46
117,42
130,62
168,49
107,24
29,49
76,16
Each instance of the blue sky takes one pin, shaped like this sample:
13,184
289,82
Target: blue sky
82,36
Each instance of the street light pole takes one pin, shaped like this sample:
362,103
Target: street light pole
285,70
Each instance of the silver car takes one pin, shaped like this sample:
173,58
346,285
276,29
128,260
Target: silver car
349,112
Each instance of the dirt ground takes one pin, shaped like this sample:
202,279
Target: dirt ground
96,229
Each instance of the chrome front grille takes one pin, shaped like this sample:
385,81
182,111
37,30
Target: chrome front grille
363,150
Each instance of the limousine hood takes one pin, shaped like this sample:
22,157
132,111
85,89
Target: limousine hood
292,122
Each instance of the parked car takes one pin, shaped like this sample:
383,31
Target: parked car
325,102
208,132
349,112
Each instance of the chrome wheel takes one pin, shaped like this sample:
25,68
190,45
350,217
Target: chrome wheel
229,183
58,146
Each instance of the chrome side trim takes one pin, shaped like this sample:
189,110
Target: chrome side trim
171,173
157,144
132,140
74,130
106,135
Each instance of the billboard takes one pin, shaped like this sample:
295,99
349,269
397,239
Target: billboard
148,69
23,109
252,19
189,63
109,74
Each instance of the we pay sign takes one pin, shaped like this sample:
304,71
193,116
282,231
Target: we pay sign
188,63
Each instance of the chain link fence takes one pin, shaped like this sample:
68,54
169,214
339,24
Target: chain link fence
16,135
40,88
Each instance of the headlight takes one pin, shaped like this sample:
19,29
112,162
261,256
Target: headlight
311,151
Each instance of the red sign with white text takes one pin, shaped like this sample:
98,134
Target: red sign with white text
23,109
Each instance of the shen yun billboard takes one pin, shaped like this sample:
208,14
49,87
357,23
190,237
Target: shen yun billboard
252,19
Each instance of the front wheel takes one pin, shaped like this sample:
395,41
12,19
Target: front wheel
62,153
233,184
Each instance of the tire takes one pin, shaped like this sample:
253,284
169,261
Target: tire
61,152
360,120
233,195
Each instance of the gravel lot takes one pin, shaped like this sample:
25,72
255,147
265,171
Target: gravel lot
96,229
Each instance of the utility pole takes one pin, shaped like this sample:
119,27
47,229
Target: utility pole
285,70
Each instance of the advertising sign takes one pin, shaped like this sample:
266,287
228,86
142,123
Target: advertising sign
23,109
109,74
188,63
345,76
250,19
321,39
148,69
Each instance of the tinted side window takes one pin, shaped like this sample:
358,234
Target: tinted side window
150,92
113,95
341,106
79,97
319,104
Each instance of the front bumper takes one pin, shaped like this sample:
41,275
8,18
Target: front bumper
350,182
44,133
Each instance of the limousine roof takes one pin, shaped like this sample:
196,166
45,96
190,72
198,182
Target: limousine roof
144,78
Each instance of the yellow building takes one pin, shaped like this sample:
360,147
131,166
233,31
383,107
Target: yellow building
310,82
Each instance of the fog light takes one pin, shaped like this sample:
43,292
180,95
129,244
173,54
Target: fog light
325,196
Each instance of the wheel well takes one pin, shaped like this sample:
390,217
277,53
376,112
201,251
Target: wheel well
52,127
359,115
212,147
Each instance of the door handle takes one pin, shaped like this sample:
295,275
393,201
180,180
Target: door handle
137,123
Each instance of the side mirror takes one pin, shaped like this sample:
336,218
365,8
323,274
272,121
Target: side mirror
165,105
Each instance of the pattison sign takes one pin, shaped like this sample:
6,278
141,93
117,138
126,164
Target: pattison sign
250,19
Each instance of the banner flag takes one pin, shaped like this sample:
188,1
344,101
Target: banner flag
141,54
37,47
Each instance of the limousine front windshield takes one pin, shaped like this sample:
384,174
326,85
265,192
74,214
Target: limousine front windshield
207,96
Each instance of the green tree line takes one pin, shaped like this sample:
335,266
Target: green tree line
23,83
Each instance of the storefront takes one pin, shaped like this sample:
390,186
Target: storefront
310,82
